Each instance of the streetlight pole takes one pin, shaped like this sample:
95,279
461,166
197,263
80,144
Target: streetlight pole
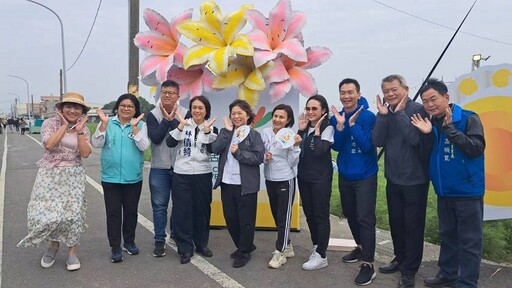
64,78
28,94
17,102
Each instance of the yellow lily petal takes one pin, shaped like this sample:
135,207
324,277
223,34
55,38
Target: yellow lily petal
200,33
234,22
255,80
219,61
251,96
211,14
235,76
197,54
242,45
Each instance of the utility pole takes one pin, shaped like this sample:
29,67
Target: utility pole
133,51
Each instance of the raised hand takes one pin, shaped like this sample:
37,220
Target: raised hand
233,148
227,123
401,104
381,107
181,119
353,118
298,140
79,127
447,117
207,126
424,125
303,123
62,119
319,123
136,121
340,119
167,115
103,117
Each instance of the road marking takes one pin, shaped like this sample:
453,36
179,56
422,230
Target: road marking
384,242
2,194
202,264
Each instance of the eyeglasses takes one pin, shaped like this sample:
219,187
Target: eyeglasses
127,107
312,108
168,93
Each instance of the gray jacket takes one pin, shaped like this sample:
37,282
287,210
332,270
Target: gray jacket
407,149
249,155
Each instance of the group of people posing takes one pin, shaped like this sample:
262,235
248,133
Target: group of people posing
436,141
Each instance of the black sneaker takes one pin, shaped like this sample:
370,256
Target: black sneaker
353,256
241,260
366,275
131,248
159,250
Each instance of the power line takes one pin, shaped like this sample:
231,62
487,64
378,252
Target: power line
86,40
441,25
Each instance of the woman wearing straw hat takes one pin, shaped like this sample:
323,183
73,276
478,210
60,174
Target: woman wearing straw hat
57,207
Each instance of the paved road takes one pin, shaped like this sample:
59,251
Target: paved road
20,267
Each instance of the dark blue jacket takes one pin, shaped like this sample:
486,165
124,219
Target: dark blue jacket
357,157
455,173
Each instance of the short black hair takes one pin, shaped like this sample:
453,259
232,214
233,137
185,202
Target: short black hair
289,111
350,81
171,83
244,106
433,83
206,103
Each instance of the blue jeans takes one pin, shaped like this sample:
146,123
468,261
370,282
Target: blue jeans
160,181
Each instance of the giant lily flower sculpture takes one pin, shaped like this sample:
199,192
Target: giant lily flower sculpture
271,55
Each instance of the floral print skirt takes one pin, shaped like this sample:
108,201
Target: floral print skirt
57,207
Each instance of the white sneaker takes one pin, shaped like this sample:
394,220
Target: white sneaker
278,259
313,251
315,262
72,263
288,251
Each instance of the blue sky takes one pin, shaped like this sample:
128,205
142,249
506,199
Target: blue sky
368,40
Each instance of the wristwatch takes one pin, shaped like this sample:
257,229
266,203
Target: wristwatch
81,133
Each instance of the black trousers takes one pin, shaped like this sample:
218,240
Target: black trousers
191,198
358,203
281,195
407,207
121,204
240,215
316,199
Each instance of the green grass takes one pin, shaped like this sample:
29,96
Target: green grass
497,234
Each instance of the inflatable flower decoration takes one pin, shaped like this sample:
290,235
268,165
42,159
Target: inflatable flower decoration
271,55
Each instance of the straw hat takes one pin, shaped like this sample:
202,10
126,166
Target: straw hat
72,97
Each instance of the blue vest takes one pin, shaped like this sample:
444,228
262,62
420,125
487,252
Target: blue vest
121,161
453,173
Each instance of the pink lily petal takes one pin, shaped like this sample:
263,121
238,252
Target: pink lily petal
279,90
182,76
259,39
279,20
157,22
261,57
207,79
150,64
161,71
293,49
179,53
191,89
186,15
316,56
278,73
257,20
155,43
303,81
297,22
